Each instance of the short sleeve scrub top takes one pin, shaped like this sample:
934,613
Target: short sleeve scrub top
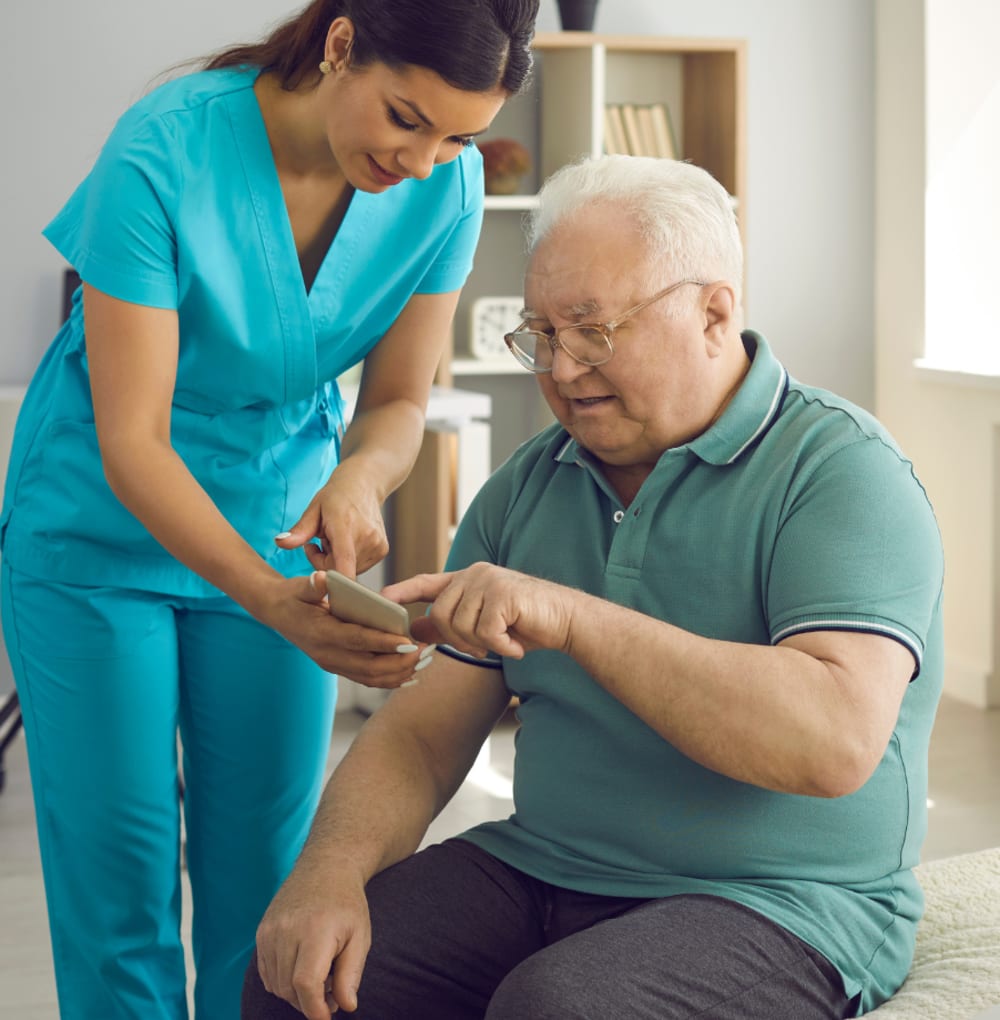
183,210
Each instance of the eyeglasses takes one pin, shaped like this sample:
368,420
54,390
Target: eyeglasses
589,343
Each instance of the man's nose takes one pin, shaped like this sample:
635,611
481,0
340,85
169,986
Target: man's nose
565,368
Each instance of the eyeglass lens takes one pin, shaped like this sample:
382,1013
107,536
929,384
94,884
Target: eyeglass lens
586,344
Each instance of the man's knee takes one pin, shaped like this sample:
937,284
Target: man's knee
538,989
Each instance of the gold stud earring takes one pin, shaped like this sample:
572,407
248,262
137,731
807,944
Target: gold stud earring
325,67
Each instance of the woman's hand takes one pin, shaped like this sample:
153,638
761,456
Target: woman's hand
381,444
346,517
297,608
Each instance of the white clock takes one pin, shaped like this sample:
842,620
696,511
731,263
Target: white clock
490,318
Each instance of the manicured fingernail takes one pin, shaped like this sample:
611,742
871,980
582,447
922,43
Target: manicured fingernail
412,682
403,649
428,650
423,663
284,534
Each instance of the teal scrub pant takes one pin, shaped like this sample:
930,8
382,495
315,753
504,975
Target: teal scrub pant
105,678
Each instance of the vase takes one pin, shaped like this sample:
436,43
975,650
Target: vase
503,184
577,15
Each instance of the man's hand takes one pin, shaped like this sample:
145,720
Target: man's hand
313,941
486,608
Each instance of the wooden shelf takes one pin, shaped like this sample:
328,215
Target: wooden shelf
479,366
510,203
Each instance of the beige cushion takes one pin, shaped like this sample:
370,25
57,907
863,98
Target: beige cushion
956,966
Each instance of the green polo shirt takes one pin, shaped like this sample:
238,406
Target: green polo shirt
795,511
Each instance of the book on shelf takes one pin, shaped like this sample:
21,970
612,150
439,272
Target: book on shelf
633,135
646,132
639,130
663,131
614,131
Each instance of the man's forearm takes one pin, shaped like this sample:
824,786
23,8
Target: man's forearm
376,806
792,717
812,715
403,767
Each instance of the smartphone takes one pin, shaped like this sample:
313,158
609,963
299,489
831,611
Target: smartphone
353,602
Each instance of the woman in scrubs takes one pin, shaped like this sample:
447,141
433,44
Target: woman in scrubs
248,232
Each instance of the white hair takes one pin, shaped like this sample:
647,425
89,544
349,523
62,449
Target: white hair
683,212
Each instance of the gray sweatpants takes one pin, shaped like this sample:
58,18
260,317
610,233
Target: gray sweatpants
459,935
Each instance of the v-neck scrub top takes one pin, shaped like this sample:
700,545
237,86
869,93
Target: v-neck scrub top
184,210
795,511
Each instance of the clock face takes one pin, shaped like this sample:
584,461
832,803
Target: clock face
492,317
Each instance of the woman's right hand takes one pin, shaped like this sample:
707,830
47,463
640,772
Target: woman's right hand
297,609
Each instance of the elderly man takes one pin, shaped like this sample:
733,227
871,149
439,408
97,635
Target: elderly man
716,594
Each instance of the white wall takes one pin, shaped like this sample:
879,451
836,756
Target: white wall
67,69
949,425
962,204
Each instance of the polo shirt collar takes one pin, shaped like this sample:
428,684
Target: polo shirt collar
754,407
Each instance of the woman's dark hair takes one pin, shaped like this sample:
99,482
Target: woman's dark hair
475,45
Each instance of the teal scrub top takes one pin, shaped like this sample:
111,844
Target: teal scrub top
795,511
184,210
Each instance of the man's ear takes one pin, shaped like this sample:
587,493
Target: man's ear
718,302
339,40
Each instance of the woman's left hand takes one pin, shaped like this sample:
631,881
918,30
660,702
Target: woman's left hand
345,516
